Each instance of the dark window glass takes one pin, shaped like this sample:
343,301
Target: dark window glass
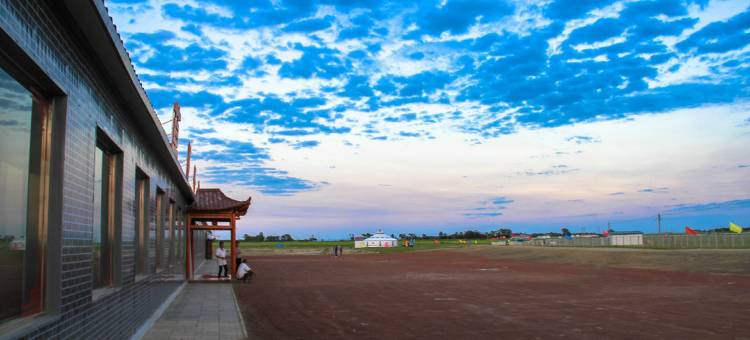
159,224
107,196
21,236
170,234
180,236
101,226
141,198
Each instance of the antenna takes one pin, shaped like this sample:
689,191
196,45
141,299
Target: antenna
187,165
176,117
195,170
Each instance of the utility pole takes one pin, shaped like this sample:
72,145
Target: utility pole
658,223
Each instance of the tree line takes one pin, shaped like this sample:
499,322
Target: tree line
468,234
270,238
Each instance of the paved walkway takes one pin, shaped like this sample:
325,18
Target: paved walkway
201,311
208,270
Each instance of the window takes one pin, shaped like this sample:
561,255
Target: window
105,201
180,236
170,234
159,225
24,157
141,233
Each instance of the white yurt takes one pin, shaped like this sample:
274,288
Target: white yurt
359,242
380,239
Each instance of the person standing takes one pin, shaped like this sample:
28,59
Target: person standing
221,258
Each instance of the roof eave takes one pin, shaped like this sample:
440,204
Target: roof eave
94,22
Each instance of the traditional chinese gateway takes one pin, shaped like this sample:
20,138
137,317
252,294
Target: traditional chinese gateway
99,224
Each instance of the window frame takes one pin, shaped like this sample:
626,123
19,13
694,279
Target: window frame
49,95
179,249
113,158
158,228
141,200
171,233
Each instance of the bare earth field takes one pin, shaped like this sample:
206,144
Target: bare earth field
501,292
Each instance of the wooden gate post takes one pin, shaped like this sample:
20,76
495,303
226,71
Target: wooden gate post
234,246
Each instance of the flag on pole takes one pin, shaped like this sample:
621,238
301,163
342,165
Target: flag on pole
606,233
690,231
735,228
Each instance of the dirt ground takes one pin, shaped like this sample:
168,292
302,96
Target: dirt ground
734,261
493,293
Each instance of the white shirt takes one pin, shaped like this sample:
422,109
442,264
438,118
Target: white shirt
221,255
242,270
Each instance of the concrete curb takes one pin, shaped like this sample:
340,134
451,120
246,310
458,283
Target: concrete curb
239,313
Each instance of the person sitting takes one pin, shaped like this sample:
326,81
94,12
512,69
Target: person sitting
244,272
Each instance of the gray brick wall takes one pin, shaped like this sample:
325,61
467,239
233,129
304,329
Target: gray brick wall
46,38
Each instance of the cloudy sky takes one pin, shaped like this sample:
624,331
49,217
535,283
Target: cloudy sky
343,117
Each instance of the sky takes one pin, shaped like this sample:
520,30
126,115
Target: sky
343,117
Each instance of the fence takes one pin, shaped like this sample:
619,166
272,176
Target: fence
709,241
657,241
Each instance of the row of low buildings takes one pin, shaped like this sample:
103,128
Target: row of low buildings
96,230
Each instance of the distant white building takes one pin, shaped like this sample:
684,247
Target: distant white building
380,240
625,238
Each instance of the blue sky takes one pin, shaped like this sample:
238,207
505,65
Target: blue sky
344,117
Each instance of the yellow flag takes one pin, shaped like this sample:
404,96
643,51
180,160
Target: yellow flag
735,228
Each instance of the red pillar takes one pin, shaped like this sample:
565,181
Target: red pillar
234,246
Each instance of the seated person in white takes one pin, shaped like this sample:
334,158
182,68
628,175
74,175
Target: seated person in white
244,272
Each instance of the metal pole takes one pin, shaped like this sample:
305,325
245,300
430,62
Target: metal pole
658,223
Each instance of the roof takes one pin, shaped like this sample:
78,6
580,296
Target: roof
97,29
380,237
213,199
614,233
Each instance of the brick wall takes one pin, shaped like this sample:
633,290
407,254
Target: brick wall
45,37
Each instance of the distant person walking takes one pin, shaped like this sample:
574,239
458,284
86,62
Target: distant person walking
221,258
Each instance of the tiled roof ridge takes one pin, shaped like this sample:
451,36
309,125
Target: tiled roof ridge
213,199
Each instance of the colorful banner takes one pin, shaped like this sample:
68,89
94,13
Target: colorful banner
735,228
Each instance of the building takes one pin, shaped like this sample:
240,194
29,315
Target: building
625,238
380,240
359,242
94,203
